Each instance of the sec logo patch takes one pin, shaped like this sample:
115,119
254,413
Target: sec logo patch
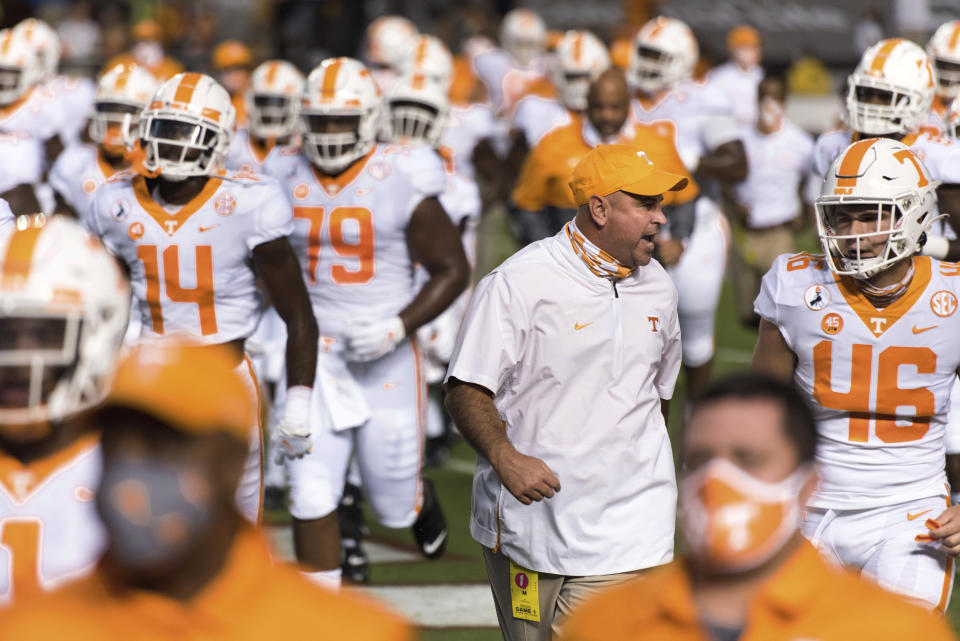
89,186
135,230
379,170
943,303
816,297
225,203
831,324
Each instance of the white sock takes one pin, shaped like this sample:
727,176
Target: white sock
329,579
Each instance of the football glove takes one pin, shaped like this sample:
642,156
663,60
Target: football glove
368,340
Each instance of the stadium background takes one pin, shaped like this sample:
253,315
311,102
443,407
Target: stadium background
816,43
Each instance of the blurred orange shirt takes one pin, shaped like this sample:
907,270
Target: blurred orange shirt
546,171
805,599
250,600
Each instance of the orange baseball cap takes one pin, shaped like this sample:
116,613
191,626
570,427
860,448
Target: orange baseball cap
609,168
231,53
193,388
743,36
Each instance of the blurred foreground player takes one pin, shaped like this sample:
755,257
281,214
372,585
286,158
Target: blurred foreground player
64,312
747,573
181,562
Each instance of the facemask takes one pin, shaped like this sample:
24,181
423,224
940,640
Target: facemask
734,522
770,113
153,511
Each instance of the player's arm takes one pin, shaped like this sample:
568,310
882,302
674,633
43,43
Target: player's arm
487,166
435,242
280,273
772,355
471,407
726,163
948,198
22,199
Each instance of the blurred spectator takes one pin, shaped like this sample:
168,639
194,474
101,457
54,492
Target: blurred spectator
232,64
808,75
194,50
739,76
79,35
147,51
766,205
868,30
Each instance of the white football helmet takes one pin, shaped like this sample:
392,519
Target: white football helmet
664,53
944,51
581,57
187,129
891,89
952,119
45,43
123,92
419,109
884,175
19,66
428,56
339,113
388,38
273,100
523,35
64,306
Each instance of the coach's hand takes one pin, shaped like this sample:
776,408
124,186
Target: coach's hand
526,477
949,531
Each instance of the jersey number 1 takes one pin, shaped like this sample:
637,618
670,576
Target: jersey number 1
201,295
888,396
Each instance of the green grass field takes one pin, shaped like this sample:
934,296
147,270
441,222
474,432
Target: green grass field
463,563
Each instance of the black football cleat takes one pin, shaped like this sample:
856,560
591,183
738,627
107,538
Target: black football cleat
430,528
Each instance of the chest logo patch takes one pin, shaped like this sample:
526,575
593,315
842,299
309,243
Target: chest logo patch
89,186
119,209
816,297
831,324
943,303
225,203
135,230
301,191
654,323
379,170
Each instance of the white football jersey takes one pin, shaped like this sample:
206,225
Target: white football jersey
35,113
738,88
536,117
246,157
466,126
76,174
72,105
879,380
350,231
507,82
21,160
701,117
49,529
191,269
940,155
778,163
7,219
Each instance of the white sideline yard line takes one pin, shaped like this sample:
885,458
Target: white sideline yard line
460,466
440,605
731,355
282,539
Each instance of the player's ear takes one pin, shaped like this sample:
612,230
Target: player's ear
599,210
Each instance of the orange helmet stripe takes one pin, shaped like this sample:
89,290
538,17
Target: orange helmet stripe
880,59
5,46
955,34
15,267
186,88
329,87
850,165
272,71
122,79
657,28
417,82
421,54
577,47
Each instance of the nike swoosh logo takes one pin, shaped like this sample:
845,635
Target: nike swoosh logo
434,545
203,229
912,517
920,330
581,326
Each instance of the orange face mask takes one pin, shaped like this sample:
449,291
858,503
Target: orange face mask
734,522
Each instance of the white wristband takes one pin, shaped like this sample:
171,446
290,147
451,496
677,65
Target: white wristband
296,411
936,246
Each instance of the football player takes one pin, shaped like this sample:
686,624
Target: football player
64,312
944,51
195,242
388,38
364,213
694,249
122,93
867,331
272,104
889,94
147,51
739,76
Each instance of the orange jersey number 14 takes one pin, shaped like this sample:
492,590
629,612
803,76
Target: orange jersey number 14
886,398
201,295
